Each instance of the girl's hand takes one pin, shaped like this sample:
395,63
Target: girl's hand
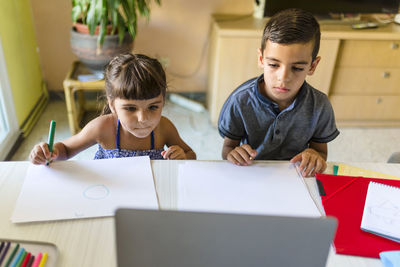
40,154
311,162
242,155
174,152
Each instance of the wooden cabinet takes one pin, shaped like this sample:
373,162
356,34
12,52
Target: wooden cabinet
359,69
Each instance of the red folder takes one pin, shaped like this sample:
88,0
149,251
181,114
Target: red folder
344,199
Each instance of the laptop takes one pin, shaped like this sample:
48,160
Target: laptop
147,238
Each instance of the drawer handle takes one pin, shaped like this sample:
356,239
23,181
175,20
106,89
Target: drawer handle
379,100
395,46
386,74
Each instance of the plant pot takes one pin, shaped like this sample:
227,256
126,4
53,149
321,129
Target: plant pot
84,46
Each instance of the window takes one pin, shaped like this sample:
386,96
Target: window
9,131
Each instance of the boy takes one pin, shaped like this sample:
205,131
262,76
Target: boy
279,116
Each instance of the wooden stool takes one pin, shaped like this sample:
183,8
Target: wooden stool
76,108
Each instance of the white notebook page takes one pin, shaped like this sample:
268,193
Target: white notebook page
75,189
263,188
382,211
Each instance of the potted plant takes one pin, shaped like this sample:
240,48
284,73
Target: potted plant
105,28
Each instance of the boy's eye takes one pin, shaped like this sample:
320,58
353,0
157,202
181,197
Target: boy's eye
297,69
273,65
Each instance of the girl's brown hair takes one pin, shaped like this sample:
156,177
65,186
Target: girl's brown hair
133,76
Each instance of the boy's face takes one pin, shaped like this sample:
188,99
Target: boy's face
285,69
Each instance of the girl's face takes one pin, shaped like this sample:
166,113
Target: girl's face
138,117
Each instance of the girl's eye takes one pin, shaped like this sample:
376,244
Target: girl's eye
153,107
130,108
297,69
273,65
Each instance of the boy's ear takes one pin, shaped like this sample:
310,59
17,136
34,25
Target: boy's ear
260,58
314,65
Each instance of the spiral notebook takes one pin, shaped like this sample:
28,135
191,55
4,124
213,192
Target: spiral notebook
381,214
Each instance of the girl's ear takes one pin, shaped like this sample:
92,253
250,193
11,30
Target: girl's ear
111,105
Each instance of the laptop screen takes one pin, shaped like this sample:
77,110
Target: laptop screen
175,238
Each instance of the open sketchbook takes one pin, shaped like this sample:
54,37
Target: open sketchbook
86,188
382,211
262,188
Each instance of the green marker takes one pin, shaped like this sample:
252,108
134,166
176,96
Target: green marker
51,137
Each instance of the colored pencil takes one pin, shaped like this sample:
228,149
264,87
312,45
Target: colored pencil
37,260
26,260
4,253
1,246
21,259
44,259
16,259
30,262
12,255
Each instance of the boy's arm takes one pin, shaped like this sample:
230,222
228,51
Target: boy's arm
321,148
239,155
228,146
313,159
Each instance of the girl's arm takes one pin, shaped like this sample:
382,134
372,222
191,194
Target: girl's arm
94,132
68,148
174,142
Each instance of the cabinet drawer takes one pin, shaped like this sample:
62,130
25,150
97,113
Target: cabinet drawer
368,53
366,107
366,81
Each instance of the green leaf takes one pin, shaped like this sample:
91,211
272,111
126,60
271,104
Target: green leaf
103,26
122,28
91,19
76,12
103,23
113,14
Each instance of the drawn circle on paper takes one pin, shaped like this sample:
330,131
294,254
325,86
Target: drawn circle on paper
96,192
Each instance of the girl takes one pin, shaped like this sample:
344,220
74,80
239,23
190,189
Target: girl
131,123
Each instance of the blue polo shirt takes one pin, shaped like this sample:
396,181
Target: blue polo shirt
253,119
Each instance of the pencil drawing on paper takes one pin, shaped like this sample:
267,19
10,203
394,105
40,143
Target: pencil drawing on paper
387,211
96,192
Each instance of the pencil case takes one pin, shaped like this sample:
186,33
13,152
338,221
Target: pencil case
15,253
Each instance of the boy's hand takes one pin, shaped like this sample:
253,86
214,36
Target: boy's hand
40,154
174,152
311,162
242,155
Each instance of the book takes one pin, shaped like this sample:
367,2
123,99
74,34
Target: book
381,214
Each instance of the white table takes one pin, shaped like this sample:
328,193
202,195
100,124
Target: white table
91,242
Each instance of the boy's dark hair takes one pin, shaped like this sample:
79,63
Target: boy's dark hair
134,76
291,26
